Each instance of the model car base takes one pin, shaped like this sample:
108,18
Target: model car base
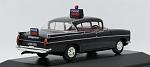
99,59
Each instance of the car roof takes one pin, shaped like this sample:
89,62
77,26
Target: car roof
75,21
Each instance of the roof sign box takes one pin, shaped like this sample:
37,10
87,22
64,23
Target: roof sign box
76,13
34,31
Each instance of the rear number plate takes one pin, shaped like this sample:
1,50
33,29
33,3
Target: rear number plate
32,44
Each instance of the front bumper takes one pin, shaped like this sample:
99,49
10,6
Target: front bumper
128,42
33,49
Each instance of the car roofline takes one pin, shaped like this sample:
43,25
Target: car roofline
73,20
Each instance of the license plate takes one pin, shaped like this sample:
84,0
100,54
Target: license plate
32,44
33,37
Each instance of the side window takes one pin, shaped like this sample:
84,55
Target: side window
79,26
63,26
96,26
85,26
59,26
66,26
69,27
95,23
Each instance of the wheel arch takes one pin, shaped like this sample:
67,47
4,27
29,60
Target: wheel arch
124,41
76,46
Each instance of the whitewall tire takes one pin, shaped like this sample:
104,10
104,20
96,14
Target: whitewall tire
70,53
118,47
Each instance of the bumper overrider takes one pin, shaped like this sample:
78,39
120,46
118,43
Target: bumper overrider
33,49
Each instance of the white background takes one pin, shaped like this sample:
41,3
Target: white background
20,15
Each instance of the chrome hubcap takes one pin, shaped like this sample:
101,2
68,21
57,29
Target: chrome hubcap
71,52
119,45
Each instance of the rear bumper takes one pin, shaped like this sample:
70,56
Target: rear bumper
33,49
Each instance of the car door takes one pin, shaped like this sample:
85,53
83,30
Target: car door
103,40
88,37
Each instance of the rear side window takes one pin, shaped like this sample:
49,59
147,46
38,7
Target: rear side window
97,23
96,26
84,27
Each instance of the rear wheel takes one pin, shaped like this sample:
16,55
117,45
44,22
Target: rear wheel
42,55
70,53
118,47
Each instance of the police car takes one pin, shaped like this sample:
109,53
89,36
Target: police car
67,36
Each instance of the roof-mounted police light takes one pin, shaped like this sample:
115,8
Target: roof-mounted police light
76,13
76,6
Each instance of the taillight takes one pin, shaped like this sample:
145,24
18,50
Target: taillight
45,41
17,39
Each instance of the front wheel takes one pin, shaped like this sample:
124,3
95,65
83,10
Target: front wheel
70,53
118,47
42,55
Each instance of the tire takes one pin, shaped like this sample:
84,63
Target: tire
118,47
42,55
70,53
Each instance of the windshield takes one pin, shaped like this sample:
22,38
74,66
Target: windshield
63,26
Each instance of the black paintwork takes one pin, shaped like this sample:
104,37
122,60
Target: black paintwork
84,41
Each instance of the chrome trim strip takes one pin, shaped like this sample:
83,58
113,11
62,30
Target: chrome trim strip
74,34
64,35
33,49
88,38
32,41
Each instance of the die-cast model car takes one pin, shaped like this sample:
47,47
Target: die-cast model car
67,36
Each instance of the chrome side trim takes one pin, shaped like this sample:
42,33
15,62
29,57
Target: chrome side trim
87,38
69,35
33,49
64,35
32,41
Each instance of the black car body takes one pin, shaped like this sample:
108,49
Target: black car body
83,38
67,36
